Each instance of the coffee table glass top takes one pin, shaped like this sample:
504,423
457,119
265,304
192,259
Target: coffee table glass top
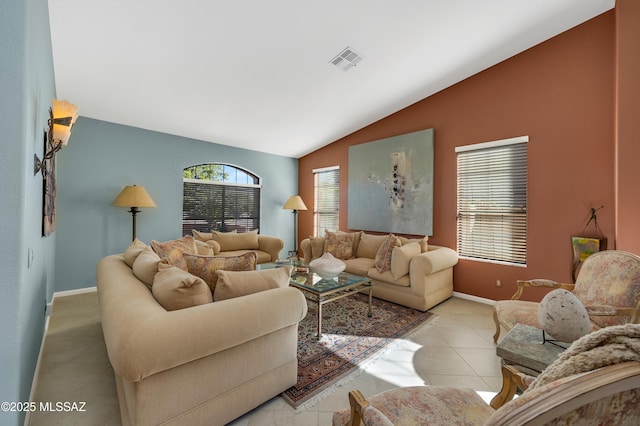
314,283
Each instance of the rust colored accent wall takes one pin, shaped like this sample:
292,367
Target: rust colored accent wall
628,125
559,93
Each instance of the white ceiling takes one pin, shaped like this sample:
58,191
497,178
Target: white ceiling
256,74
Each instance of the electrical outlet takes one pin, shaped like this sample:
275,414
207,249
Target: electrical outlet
498,283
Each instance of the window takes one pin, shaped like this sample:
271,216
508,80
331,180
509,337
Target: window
220,197
326,184
492,201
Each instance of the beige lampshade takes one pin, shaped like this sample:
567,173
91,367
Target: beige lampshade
64,117
294,203
133,196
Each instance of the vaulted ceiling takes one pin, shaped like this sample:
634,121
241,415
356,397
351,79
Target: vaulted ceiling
258,75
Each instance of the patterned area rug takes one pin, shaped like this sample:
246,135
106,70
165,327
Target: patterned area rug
349,338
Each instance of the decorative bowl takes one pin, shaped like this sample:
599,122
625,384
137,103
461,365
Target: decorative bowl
327,266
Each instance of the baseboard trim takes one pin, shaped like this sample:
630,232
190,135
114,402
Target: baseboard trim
474,298
69,293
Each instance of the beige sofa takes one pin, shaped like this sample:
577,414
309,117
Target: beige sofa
418,278
228,244
202,365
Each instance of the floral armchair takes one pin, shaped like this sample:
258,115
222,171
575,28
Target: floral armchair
595,381
608,285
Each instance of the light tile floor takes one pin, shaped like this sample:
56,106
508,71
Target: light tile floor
456,349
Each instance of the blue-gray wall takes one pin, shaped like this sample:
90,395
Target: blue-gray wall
26,90
102,158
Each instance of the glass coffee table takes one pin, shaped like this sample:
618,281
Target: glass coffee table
324,290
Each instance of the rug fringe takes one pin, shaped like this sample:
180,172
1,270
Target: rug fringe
398,343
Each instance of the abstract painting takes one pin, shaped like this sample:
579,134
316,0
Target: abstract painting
391,184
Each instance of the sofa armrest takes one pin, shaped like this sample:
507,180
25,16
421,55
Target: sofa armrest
432,261
271,245
143,339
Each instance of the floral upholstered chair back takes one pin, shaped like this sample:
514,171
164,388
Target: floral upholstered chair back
607,279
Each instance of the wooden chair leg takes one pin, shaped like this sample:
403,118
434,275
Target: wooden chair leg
497,322
357,402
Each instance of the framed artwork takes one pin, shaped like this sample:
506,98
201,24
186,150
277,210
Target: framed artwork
49,195
391,184
584,247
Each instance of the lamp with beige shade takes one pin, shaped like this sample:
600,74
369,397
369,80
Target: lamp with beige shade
134,196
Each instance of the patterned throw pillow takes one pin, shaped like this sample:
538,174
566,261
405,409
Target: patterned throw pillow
175,289
339,244
173,250
383,256
205,267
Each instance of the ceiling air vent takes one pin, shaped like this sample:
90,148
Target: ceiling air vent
346,59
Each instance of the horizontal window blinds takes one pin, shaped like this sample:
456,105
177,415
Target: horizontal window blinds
492,202
327,200
209,206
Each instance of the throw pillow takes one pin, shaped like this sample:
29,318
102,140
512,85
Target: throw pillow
424,242
317,246
134,249
175,289
339,244
236,284
205,267
369,245
146,265
383,256
202,236
204,249
401,257
214,246
174,249
237,241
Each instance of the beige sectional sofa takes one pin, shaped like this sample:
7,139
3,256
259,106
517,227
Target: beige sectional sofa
409,272
200,365
266,247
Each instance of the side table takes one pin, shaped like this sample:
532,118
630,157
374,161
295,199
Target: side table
523,348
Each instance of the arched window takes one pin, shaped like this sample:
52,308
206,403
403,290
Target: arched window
220,197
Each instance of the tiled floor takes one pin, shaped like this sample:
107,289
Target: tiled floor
456,349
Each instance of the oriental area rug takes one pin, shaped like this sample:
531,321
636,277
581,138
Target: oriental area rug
349,339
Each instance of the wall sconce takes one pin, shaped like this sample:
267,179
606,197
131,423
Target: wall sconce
62,117
133,196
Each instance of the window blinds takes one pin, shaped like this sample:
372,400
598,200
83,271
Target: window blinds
209,206
326,200
492,201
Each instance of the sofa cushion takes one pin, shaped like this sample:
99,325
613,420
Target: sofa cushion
359,266
134,249
401,257
236,284
339,244
369,245
175,289
383,256
174,249
237,241
386,277
205,267
202,236
146,265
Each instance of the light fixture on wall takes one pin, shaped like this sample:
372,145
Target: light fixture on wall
294,203
62,117
133,196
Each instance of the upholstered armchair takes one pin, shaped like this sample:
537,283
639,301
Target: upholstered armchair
595,381
608,285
